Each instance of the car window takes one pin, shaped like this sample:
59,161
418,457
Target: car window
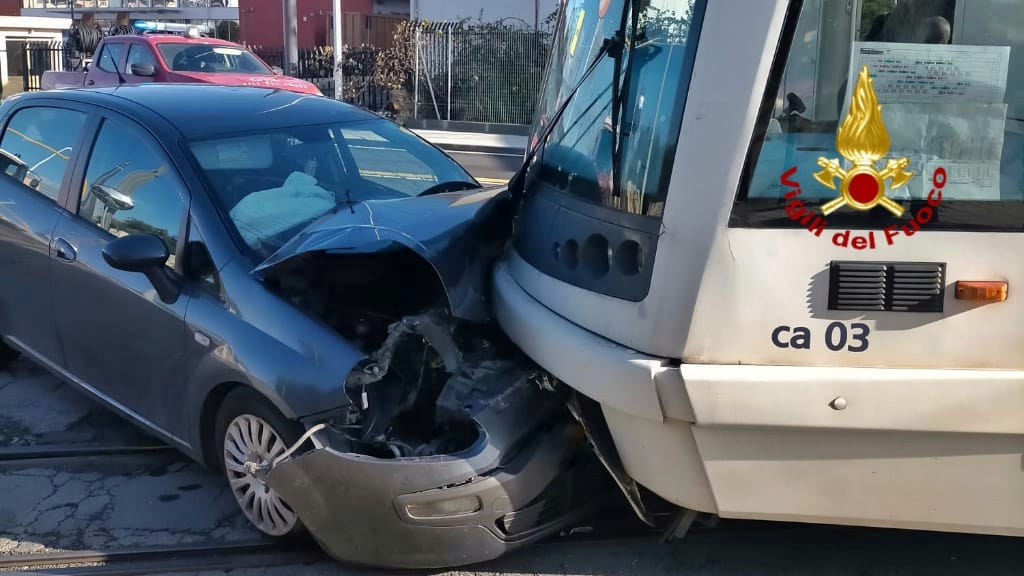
130,187
949,136
110,55
378,159
190,57
37,147
139,54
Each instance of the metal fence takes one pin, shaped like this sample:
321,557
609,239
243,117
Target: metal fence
485,73
316,65
482,73
30,59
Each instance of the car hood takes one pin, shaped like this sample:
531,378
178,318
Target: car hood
458,234
257,80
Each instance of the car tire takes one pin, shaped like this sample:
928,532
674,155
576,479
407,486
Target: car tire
249,432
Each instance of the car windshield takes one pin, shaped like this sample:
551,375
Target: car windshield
191,57
271,184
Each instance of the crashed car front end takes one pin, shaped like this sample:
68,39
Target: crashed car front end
488,465
454,448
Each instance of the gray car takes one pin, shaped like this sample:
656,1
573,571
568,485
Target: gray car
292,291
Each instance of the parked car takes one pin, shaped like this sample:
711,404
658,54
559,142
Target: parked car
290,290
172,58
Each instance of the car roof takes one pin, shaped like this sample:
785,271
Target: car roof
158,38
203,110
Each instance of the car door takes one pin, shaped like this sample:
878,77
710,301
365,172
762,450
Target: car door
104,69
38,144
119,337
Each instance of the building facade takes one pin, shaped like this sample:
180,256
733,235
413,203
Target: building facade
532,12
261,22
221,16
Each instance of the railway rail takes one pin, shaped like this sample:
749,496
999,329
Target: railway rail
43,451
162,559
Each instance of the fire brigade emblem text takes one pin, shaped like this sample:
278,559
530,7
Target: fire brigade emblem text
862,140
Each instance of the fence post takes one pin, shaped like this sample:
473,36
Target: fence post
451,64
291,43
416,81
24,65
339,52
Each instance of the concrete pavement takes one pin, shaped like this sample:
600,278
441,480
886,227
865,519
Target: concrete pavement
104,502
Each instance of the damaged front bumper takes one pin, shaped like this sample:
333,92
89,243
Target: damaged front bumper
524,478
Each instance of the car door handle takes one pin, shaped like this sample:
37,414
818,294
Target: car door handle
91,82
64,250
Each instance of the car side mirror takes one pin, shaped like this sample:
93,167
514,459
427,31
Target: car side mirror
143,70
112,198
145,253
277,70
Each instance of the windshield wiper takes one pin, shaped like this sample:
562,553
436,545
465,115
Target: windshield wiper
609,47
619,94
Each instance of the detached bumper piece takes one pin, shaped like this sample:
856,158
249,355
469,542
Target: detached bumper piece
527,477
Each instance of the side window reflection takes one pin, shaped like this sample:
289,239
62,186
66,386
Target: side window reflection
130,187
37,147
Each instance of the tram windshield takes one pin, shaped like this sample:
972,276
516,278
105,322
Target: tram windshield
949,78
613,146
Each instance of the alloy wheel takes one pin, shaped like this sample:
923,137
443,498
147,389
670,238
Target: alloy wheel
250,444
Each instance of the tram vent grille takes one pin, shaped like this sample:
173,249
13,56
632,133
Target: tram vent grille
887,286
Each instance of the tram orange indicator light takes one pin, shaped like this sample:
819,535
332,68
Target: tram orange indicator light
981,291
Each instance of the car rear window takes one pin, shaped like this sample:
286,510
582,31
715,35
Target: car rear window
949,78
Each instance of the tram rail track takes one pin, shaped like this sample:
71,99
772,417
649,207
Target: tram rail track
158,559
48,451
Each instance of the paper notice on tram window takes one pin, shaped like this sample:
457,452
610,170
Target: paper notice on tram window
932,72
966,138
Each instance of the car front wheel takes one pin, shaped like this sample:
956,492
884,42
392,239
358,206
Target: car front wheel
251,433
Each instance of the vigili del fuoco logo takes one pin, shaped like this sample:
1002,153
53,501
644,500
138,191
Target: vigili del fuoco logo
863,141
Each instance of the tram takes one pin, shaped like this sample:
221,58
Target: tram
772,246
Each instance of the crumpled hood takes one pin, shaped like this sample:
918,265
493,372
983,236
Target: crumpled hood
458,233
256,80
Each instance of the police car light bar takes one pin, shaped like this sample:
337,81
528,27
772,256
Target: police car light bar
193,30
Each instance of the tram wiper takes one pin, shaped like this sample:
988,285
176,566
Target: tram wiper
618,91
609,47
